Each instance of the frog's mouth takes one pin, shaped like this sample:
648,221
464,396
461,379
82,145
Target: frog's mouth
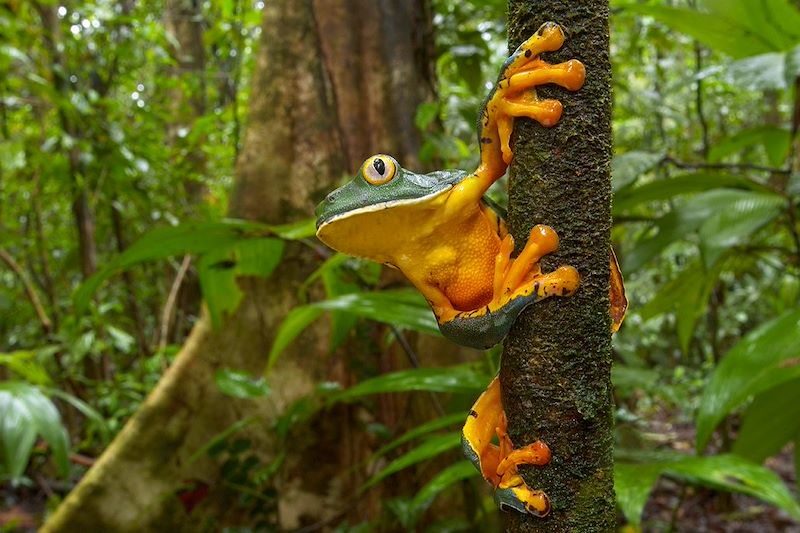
325,219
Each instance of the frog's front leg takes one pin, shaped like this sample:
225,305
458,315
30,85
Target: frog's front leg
514,95
498,463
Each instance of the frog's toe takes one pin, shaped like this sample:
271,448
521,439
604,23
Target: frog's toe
523,500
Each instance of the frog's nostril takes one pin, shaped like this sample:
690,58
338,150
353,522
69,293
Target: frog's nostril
331,196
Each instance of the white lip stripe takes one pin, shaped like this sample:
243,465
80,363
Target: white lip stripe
385,205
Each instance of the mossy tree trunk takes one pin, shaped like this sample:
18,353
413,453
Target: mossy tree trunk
295,150
557,360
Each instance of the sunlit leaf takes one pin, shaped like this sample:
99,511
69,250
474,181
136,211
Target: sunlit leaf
429,448
24,413
240,384
296,321
190,238
758,362
718,33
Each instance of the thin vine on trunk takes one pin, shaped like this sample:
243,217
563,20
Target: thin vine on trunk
556,372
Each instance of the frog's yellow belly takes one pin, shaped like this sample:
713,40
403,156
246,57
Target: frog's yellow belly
462,266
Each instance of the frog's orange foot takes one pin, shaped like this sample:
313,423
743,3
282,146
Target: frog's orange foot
515,95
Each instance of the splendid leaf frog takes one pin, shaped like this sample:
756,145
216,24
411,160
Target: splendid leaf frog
454,247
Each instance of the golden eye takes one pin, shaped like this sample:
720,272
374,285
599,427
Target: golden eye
379,169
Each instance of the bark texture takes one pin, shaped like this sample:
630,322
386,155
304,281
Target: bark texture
294,152
557,360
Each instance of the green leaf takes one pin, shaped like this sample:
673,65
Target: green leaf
461,378
634,481
25,412
84,408
423,429
23,364
240,384
219,268
717,32
690,214
735,474
744,213
429,448
769,422
293,231
403,308
296,321
758,362
666,189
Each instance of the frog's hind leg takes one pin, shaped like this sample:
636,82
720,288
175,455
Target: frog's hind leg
498,462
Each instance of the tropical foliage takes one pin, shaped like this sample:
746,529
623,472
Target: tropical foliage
99,142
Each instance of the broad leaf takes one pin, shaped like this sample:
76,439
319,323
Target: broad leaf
24,413
219,268
758,362
770,422
666,189
634,481
423,429
194,238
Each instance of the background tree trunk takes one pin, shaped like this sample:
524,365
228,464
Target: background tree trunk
556,381
295,150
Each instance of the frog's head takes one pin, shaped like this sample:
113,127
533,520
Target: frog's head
377,204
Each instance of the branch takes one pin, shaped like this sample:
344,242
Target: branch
169,305
47,325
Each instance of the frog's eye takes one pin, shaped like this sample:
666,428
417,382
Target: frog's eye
379,169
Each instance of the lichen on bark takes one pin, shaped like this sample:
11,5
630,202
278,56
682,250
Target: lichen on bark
557,360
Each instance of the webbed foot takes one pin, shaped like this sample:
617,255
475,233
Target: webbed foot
498,463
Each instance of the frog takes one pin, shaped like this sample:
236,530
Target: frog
452,243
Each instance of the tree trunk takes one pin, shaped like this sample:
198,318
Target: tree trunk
295,150
557,360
